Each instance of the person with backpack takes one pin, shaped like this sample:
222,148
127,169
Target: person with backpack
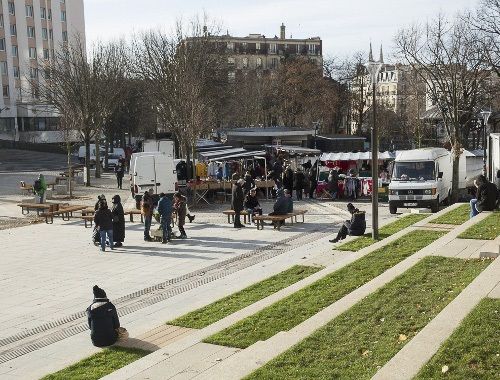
40,187
103,220
103,320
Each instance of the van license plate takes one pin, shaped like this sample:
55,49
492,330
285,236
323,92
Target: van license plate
409,204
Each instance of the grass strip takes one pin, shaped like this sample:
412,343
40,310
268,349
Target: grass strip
299,306
472,352
99,365
217,310
361,340
456,216
384,232
486,229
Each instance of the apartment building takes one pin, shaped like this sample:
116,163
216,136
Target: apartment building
30,31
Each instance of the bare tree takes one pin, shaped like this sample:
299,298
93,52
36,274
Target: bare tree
80,89
448,58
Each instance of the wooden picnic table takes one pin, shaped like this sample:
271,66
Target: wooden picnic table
65,212
277,219
26,206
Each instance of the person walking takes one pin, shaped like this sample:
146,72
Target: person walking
165,211
313,174
39,188
147,213
103,220
486,196
299,182
120,172
288,179
181,209
354,227
333,183
103,320
237,200
118,221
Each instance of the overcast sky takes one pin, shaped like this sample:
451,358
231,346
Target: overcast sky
345,26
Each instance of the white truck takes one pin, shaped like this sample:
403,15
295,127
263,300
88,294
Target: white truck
164,146
422,177
494,158
152,170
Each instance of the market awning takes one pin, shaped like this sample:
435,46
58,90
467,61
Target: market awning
236,156
359,156
290,149
218,153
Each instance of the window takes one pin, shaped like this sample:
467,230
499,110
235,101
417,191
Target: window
16,72
311,49
4,68
298,49
65,36
1,20
43,13
50,14
63,16
274,63
244,46
33,72
230,46
45,34
245,62
15,52
13,30
230,60
12,8
272,48
231,76
257,46
46,54
6,91
29,10
32,53
51,34
2,44
259,62
31,32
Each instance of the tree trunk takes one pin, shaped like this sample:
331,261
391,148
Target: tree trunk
98,154
106,153
87,159
70,169
455,176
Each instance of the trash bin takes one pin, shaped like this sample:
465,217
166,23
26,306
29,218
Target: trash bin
138,199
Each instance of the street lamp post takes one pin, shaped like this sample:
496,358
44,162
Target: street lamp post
374,69
486,116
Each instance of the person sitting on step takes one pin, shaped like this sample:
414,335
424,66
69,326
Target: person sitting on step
354,227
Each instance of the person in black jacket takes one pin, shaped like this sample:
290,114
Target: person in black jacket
486,196
103,220
313,173
288,179
118,222
249,183
282,204
237,202
103,320
354,227
120,172
299,182
252,204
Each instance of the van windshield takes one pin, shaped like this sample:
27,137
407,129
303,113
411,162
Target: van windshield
420,171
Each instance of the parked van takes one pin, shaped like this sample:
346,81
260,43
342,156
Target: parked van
155,171
494,158
164,146
113,158
82,151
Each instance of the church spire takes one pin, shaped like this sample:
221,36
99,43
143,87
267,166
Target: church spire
370,56
381,60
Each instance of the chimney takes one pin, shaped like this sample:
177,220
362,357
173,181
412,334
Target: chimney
282,31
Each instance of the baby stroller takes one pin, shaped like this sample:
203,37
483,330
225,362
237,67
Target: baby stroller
96,236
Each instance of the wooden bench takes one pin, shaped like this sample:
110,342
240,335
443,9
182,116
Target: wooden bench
66,213
277,219
230,215
131,213
88,219
38,207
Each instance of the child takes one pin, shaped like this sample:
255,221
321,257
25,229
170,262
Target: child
181,209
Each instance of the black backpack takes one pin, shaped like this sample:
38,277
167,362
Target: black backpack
37,186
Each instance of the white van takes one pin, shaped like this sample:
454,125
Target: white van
82,150
420,178
113,158
494,158
155,171
163,146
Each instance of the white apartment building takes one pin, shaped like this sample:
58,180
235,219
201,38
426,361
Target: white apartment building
30,31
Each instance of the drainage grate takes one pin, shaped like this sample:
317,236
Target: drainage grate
44,335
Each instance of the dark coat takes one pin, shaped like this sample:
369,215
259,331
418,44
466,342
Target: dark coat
103,322
281,206
165,208
487,195
288,179
249,183
333,181
118,223
237,198
357,226
299,180
181,209
251,202
104,219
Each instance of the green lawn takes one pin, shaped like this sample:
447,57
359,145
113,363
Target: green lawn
365,337
456,216
386,231
486,229
222,308
99,365
296,308
472,352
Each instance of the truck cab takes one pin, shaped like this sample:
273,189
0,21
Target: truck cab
420,178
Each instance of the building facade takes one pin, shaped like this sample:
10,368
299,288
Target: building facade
31,31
